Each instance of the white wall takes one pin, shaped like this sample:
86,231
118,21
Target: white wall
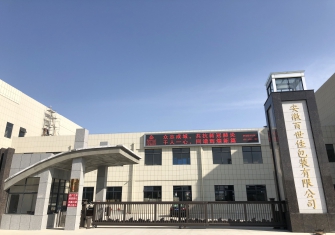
23,111
201,174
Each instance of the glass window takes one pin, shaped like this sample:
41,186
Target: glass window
224,193
330,152
9,129
289,84
221,155
88,193
181,156
256,193
252,155
1,160
182,193
22,132
270,88
153,157
114,194
152,193
58,196
22,197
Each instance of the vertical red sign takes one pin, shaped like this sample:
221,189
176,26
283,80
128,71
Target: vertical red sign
72,200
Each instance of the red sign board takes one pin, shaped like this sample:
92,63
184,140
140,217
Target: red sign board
72,200
201,138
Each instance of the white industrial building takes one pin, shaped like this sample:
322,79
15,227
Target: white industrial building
212,166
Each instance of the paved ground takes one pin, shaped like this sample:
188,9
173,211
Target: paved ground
159,231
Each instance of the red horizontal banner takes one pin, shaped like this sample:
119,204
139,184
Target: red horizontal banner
216,138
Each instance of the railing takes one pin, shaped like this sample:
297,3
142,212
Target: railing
271,214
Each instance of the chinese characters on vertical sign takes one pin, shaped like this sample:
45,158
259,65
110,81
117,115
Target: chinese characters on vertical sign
303,157
305,168
73,194
72,200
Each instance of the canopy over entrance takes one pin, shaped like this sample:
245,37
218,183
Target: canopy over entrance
94,157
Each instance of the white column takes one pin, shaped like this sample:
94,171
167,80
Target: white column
200,184
73,213
81,138
100,194
39,220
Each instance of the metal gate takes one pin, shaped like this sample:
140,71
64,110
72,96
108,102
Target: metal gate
270,214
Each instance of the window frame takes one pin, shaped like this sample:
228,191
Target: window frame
330,152
114,190
251,151
88,191
184,157
287,83
9,130
225,189
59,192
270,88
1,160
152,190
184,189
26,190
155,154
222,152
22,130
257,189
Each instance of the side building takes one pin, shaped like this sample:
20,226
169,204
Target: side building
22,116
325,98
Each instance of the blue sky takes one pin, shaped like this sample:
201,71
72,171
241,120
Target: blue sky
129,66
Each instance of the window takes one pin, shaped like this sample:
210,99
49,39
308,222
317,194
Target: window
330,152
9,129
252,155
114,194
153,157
181,156
289,84
152,193
256,193
88,193
1,160
22,132
58,195
270,88
224,193
182,193
221,155
104,143
22,196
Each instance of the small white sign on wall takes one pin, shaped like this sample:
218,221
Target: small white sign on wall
305,166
